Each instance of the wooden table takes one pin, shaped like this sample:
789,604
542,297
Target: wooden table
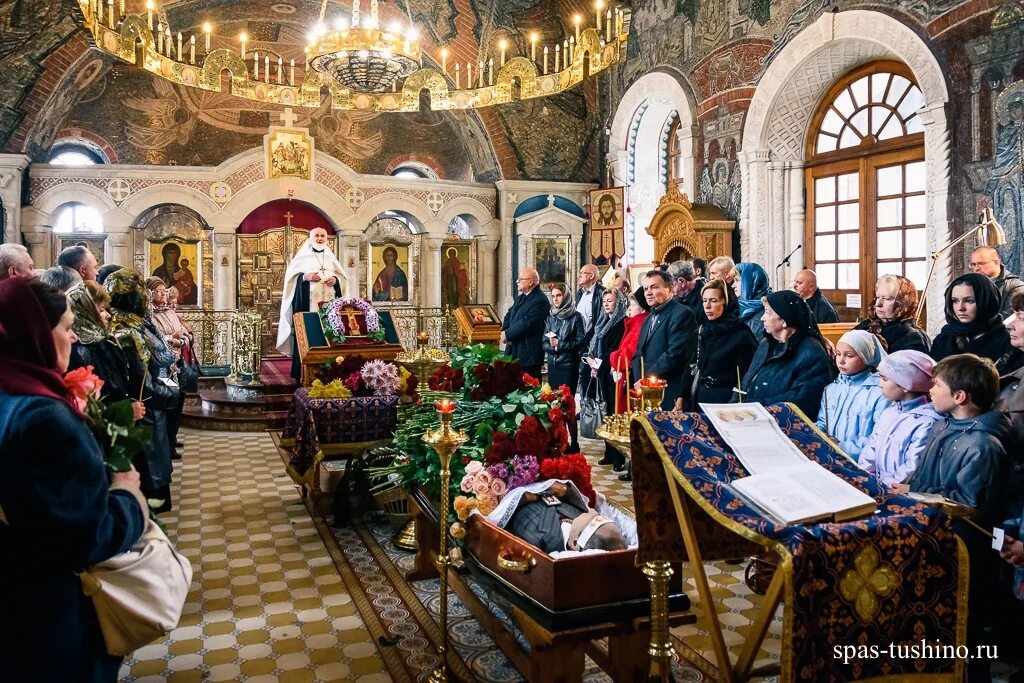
557,650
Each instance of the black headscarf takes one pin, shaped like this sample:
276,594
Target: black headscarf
987,298
641,299
792,308
725,323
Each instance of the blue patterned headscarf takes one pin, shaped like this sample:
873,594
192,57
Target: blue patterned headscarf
753,286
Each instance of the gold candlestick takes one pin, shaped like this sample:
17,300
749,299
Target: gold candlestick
423,362
653,392
445,441
660,648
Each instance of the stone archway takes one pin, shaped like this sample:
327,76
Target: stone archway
778,120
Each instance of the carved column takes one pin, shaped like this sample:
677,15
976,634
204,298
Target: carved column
39,248
755,227
225,275
777,171
348,254
796,216
430,291
487,271
12,172
939,230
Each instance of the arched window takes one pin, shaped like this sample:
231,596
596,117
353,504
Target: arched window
77,217
866,183
411,169
75,154
675,152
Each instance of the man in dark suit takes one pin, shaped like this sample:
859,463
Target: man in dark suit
523,326
686,287
668,339
588,297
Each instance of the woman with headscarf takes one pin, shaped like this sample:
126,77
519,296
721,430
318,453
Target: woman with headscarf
177,336
565,334
60,511
750,287
622,357
790,364
96,347
725,346
146,354
892,316
607,335
973,324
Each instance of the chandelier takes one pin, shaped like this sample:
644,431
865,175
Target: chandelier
362,56
363,65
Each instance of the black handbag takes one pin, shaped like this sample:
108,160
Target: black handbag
592,411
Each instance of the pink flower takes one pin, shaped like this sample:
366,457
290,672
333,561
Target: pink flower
474,466
498,488
83,384
467,483
480,488
484,476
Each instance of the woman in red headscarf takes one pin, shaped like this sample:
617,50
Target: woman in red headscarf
59,512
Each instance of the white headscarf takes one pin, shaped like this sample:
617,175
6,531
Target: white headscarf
305,261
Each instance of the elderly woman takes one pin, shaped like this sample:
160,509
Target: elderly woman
61,513
725,346
790,364
565,334
973,324
96,347
608,333
892,315
147,355
176,334
750,286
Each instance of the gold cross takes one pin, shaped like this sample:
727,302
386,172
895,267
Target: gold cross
288,218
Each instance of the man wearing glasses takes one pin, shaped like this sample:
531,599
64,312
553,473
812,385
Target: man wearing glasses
523,327
985,260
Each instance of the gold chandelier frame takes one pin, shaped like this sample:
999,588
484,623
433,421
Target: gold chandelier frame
131,38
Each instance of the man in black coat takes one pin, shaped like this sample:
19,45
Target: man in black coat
523,326
686,287
668,339
805,283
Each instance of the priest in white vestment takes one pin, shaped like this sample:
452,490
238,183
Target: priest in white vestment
314,276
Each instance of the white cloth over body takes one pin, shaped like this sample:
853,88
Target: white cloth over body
306,260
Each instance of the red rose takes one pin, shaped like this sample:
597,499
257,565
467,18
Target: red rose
555,415
83,383
530,380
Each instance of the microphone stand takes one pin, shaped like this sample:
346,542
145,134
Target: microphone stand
785,261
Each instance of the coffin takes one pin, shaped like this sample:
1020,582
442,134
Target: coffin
567,583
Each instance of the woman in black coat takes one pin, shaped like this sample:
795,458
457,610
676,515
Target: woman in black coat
61,514
973,324
565,334
725,346
608,333
790,364
892,316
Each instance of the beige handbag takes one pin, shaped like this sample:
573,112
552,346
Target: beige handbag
139,594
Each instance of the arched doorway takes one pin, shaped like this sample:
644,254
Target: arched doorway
265,241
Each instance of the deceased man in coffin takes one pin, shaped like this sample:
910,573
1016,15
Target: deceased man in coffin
554,516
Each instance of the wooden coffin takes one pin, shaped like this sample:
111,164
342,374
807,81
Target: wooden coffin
554,584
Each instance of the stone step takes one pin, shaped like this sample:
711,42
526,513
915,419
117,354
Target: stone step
198,418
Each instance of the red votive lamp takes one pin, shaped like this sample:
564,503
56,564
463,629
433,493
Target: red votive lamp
653,381
445,406
422,335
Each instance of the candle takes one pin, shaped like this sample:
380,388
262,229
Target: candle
545,59
444,62
149,14
280,70
576,22
355,13
122,7
608,27
179,46
642,373
481,75
110,12
192,50
445,406
255,66
291,74
558,56
533,47
457,76
469,75
502,45
626,387
600,6
159,37
490,71
207,28
242,37
570,54
266,68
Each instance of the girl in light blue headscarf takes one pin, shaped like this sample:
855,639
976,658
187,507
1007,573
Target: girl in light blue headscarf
752,288
853,402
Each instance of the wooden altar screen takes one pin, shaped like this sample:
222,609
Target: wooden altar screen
682,230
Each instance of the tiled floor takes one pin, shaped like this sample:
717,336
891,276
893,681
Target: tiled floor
267,603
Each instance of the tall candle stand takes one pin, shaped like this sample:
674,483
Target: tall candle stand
423,362
445,441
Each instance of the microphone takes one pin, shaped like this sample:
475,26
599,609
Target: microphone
785,261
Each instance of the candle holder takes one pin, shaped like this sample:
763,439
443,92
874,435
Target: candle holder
445,441
653,391
423,362
660,647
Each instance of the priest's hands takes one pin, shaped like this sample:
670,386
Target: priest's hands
330,281
311,277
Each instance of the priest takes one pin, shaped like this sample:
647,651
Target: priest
314,276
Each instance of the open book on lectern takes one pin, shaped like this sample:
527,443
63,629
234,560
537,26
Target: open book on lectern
782,481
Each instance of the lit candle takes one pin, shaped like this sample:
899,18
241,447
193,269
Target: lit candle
608,27
159,37
192,50
291,74
266,68
280,71
255,66
179,46
149,14
423,336
545,60
445,406
241,39
599,6
502,45
558,56
576,19
533,47
444,61
110,12
207,28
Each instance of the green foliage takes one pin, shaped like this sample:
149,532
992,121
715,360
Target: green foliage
117,433
467,357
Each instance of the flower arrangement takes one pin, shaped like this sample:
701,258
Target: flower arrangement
112,424
361,377
333,389
381,377
333,319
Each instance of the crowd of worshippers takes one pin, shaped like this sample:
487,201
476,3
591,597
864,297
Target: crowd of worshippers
942,415
127,328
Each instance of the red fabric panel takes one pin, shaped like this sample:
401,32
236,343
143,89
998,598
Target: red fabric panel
271,216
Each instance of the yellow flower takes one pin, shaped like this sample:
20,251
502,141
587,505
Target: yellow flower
339,359
458,531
